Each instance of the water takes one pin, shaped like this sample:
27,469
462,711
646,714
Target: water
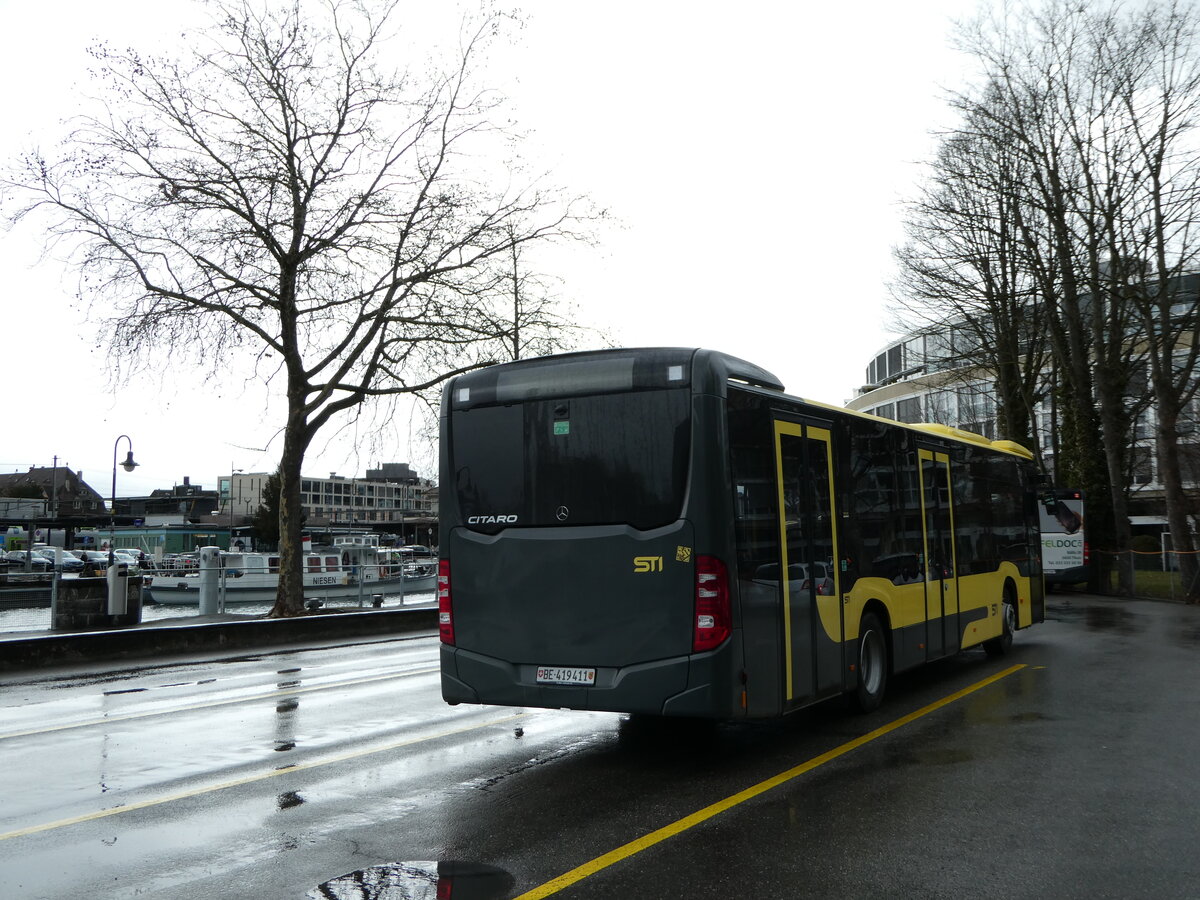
24,619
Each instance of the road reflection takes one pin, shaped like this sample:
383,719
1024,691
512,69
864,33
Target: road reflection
288,800
418,881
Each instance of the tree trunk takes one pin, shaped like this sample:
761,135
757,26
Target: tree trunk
1114,458
1081,465
1170,474
289,598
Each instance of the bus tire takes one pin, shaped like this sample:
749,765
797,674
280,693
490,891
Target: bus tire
1008,614
872,666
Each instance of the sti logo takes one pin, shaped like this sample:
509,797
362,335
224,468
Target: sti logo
645,564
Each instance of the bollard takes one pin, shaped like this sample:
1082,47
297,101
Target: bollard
210,562
54,580
118,589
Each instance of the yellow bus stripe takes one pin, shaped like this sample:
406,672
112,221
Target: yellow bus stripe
249,779
656,837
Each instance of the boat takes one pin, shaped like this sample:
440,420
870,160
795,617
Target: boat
420,573
344,572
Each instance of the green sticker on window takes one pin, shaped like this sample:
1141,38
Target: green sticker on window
562,427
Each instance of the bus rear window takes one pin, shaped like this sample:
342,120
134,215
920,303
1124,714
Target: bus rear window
599,460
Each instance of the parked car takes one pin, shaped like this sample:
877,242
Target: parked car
130,560
95,559
26,560
70,562
48,552
143,559
798,576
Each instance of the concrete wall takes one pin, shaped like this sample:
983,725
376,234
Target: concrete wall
156,641
83,605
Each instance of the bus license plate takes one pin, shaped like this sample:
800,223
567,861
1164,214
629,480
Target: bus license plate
563,675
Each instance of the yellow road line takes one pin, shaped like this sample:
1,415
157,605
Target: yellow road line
250,779
208,704
655,837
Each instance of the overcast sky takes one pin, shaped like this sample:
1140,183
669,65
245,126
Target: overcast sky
755,155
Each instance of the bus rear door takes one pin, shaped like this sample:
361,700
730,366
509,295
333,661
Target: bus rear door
941,581
810,591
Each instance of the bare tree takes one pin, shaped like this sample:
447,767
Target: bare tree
1156,67
279,192
531,320
961,272
1101,100
1069,191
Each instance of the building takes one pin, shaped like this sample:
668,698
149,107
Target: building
188,502
65,492
923,378
156,540
929,377
392,498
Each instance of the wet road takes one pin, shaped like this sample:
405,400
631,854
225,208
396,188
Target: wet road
1070,768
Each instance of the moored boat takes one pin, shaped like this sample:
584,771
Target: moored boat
420,573
344,572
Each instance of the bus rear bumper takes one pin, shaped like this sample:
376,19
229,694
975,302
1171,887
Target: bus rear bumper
657,688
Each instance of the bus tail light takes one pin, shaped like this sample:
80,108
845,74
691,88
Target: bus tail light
712,622
445,609
1087,553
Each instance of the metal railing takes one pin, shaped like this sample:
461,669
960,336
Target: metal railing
1154,574
324,586
27,598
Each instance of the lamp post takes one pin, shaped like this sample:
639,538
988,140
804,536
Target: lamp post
128,465
232,472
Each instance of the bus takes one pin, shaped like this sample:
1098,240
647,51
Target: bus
1065,556
666,532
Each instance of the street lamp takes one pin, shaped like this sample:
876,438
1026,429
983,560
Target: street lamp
128,465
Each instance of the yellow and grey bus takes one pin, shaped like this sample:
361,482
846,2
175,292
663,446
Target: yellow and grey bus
665,531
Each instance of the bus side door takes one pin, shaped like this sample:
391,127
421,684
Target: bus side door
812,611
941,565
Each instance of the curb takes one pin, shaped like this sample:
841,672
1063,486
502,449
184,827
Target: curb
25,653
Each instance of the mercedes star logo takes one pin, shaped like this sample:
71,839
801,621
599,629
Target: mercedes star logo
562,512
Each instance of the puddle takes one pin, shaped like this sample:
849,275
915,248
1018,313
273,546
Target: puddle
930,757
1189,636
1029,717
418,881
288,800
1110,618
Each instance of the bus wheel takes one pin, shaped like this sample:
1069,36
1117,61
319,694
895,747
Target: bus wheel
872,664
1001,645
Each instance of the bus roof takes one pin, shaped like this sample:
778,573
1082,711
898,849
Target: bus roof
602,371
629,368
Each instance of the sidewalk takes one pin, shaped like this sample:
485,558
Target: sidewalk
23,651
